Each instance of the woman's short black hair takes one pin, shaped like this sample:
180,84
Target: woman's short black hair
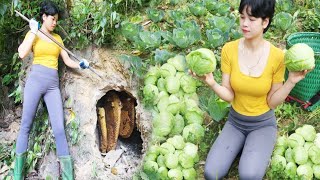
48,8
259,9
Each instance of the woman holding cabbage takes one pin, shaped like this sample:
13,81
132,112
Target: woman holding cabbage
252,81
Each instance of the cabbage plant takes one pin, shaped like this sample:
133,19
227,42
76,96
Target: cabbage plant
155,15
283,20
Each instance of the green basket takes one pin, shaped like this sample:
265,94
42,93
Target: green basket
310,85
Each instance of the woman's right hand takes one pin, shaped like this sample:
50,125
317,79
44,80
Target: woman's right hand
207,78
34,26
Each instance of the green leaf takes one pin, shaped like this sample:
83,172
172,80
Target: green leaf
218,109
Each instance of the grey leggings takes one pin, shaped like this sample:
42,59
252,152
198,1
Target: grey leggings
254,135
42,82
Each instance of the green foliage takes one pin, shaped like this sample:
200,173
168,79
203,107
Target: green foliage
311,19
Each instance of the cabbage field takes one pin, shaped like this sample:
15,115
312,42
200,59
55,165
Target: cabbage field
159,41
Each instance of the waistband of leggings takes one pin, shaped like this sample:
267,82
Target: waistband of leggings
44,71
265,116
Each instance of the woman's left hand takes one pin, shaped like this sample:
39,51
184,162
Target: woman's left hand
295,77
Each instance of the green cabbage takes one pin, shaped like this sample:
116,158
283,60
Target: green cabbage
177,142
167,148
171,160
314,154
178,125
178,62
193,133
300,155
305,171
289,155
167,70
163,172
150,94
299,57
295,140
161,160
307,131
175,174
282,141
278,162
291,170
316,170
163,123
189,174
191,150
188,84
201,61
172,84
186,161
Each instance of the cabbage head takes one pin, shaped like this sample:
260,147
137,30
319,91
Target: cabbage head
308,132
167,148
163,123
172,84
175,174
161,160
279,150
201,61
289,155
193,133
179,62
295,140
150,167
150,157
178,125
191,150
161,84
305,171
186,161
299,57
278,162
189,174
291,170
167,70
174,105
300,155
163,172
282,141
154,149
308,145
163,103
317,140
316,170
150,94
314,154
177,141
152,75
171,160
188,84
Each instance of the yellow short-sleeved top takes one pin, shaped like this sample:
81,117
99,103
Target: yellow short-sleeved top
250,93
46,53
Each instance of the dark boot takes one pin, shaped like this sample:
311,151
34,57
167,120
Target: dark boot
66,167
19,166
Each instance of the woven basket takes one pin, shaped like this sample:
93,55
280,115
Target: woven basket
310,85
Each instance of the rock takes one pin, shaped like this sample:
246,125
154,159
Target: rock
112,157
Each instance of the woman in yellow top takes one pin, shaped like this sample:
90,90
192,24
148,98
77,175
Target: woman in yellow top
43,81
252,81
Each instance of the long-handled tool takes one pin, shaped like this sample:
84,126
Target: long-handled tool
55,41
